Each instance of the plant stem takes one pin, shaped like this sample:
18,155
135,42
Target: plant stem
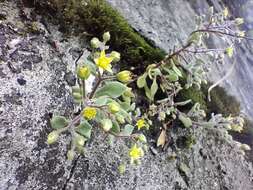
84,92
95,88
74,121
220,32
168,57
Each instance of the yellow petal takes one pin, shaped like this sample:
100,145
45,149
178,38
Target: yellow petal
102,55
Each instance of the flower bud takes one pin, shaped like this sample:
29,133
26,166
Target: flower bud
239,21
95,43
245,147
113,107
225,12
124,76
83,72
129,93
80,140
142,138
230,51
106,36
162,116
120,119
70,155
122,168
115,55
106,124
52,137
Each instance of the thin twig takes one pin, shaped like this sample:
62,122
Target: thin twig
221,80
220,32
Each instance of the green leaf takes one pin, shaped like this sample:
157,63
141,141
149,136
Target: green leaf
153,89
84,129
76,89
125,105
58,122
173,77
100,115
128,129
148,92
77,97
141,82
111,139
113,89
126,115
91,65
176,70
185,120
100,101
115,127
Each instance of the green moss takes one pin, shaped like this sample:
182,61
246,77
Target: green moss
96,17
195,95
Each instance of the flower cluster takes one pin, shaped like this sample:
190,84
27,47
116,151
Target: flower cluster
108,106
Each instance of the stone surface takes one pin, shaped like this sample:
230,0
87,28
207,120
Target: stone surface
168,22
33,87
45,60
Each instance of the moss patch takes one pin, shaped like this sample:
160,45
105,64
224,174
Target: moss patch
195,95
96,17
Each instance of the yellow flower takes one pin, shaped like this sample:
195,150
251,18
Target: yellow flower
225,12
104,62
124,76
141,123
135,153
89,113
230,51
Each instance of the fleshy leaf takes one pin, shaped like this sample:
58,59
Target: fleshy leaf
112,89
102,100
58,122
176,70
185,120
153,89
84,129
115,127
141,82
128,129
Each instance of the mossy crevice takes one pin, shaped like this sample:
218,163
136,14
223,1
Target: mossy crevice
221,101
94,17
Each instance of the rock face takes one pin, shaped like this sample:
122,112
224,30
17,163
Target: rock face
36,72
167,22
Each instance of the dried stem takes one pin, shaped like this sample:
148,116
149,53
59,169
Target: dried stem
221,80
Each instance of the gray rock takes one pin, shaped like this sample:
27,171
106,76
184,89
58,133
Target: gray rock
26,161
